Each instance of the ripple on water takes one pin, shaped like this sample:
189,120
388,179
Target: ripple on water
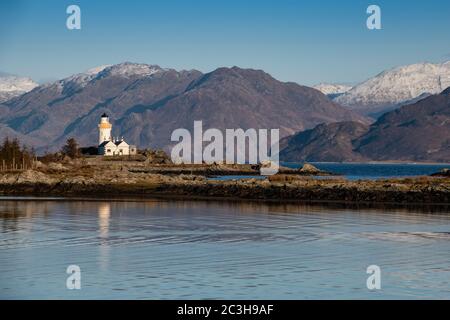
182,249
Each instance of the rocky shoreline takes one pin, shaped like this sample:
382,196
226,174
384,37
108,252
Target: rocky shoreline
121,179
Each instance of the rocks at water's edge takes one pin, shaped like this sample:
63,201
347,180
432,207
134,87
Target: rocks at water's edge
443,173
110,178
310,169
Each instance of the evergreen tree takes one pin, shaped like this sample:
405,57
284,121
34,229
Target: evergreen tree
71,149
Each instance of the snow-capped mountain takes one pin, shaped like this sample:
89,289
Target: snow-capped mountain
80,79
397,86
12,86
126,70
332,90
416,132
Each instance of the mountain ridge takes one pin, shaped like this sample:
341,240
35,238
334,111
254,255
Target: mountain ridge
333,90
146,103
395,87
414,132
12,86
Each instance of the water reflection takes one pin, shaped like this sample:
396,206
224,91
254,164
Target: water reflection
141,248
15,213
104,213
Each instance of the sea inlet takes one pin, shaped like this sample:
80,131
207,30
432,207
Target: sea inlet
164,249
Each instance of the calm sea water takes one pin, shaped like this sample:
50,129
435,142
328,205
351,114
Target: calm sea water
355,171
150,249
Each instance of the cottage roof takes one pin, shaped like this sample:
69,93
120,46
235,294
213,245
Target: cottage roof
104,143
118,143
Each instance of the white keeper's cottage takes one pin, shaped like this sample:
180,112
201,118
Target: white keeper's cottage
107,146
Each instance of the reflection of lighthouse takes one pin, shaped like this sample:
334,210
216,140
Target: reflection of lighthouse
104,129
104,212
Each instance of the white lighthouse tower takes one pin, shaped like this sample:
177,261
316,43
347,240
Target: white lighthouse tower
104,129
107,146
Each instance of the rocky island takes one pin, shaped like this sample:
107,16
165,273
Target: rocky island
155,177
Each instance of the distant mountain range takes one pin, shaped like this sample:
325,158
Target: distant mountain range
12,86
390,89
393,88
333,90
146,103
415,132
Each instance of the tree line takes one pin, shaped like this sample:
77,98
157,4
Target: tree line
14,156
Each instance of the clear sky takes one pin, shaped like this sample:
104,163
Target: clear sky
302,41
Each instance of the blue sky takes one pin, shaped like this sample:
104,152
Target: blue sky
302,41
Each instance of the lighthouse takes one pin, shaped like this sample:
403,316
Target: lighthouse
104,129
107,146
